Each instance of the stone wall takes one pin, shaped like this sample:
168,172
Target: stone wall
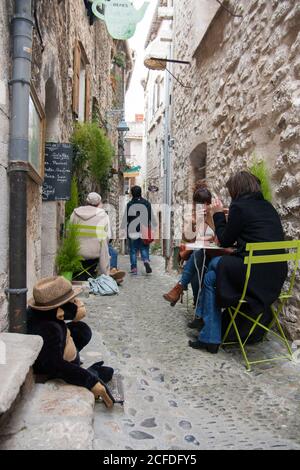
5,6
155,157
55,35
57,27
244,100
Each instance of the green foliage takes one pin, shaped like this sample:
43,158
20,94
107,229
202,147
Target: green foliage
105,183
119,60
74,200
94,151
68,258
260,170
156,248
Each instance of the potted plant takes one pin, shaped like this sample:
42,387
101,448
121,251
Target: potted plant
68,259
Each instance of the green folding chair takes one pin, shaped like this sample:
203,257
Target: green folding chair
292,254
90,231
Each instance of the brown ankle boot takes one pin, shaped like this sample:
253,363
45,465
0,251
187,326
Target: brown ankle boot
174,295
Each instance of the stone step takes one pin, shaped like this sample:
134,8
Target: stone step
17,355
55,416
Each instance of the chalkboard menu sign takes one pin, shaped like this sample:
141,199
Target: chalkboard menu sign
58,171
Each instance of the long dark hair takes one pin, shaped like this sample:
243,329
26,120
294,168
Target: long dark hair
241,183
201,194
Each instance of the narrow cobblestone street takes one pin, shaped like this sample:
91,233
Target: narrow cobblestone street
176,397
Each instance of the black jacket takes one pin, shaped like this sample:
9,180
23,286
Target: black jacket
251,219
138,211
50,361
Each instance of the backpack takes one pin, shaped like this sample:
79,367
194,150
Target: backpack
103,285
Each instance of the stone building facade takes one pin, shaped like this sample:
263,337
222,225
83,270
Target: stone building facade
135,155
157,44
68,46
243,100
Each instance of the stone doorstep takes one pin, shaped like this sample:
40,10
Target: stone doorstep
55,416
17,354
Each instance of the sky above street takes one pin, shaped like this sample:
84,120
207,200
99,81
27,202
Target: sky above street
134,102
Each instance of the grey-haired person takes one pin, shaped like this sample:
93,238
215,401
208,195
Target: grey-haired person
94,249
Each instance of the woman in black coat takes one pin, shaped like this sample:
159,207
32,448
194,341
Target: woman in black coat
251,219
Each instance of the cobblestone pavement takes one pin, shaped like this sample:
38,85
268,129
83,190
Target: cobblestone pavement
177,397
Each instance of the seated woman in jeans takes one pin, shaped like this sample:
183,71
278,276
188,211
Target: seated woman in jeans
193,260
251,219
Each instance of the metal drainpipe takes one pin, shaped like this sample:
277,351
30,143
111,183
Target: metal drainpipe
18,163
168,167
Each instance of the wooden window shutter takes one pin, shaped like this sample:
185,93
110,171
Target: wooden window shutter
87,95
76,77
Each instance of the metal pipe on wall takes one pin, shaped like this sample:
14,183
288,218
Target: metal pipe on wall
18,163
167,166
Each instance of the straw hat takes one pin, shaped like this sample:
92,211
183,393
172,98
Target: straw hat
52,292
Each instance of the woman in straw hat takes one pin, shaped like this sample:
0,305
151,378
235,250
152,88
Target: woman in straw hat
54,301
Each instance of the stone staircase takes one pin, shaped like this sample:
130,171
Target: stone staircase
49,415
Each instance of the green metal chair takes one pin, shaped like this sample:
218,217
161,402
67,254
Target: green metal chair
85,270
292,254
90,231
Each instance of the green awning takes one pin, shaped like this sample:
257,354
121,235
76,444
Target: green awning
133,169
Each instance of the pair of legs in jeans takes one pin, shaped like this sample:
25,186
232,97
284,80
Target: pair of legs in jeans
134,247
191,268
207,308
113,256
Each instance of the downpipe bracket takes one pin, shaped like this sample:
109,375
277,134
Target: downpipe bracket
9,291
22,17
17,166
18,80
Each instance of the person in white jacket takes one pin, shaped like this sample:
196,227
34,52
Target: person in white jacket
96,220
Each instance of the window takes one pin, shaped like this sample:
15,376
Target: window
81,97
157,95
81,84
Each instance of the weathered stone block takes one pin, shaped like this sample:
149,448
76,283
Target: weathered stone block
279,75
295,48
281,11
297,70
293,18
220,116
20,353
290,133
55,416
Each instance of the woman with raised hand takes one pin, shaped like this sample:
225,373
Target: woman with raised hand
251,219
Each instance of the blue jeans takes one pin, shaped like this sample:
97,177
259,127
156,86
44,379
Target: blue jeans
113,256
207,307
134,247
189,272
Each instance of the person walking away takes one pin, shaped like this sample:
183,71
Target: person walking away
138,218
